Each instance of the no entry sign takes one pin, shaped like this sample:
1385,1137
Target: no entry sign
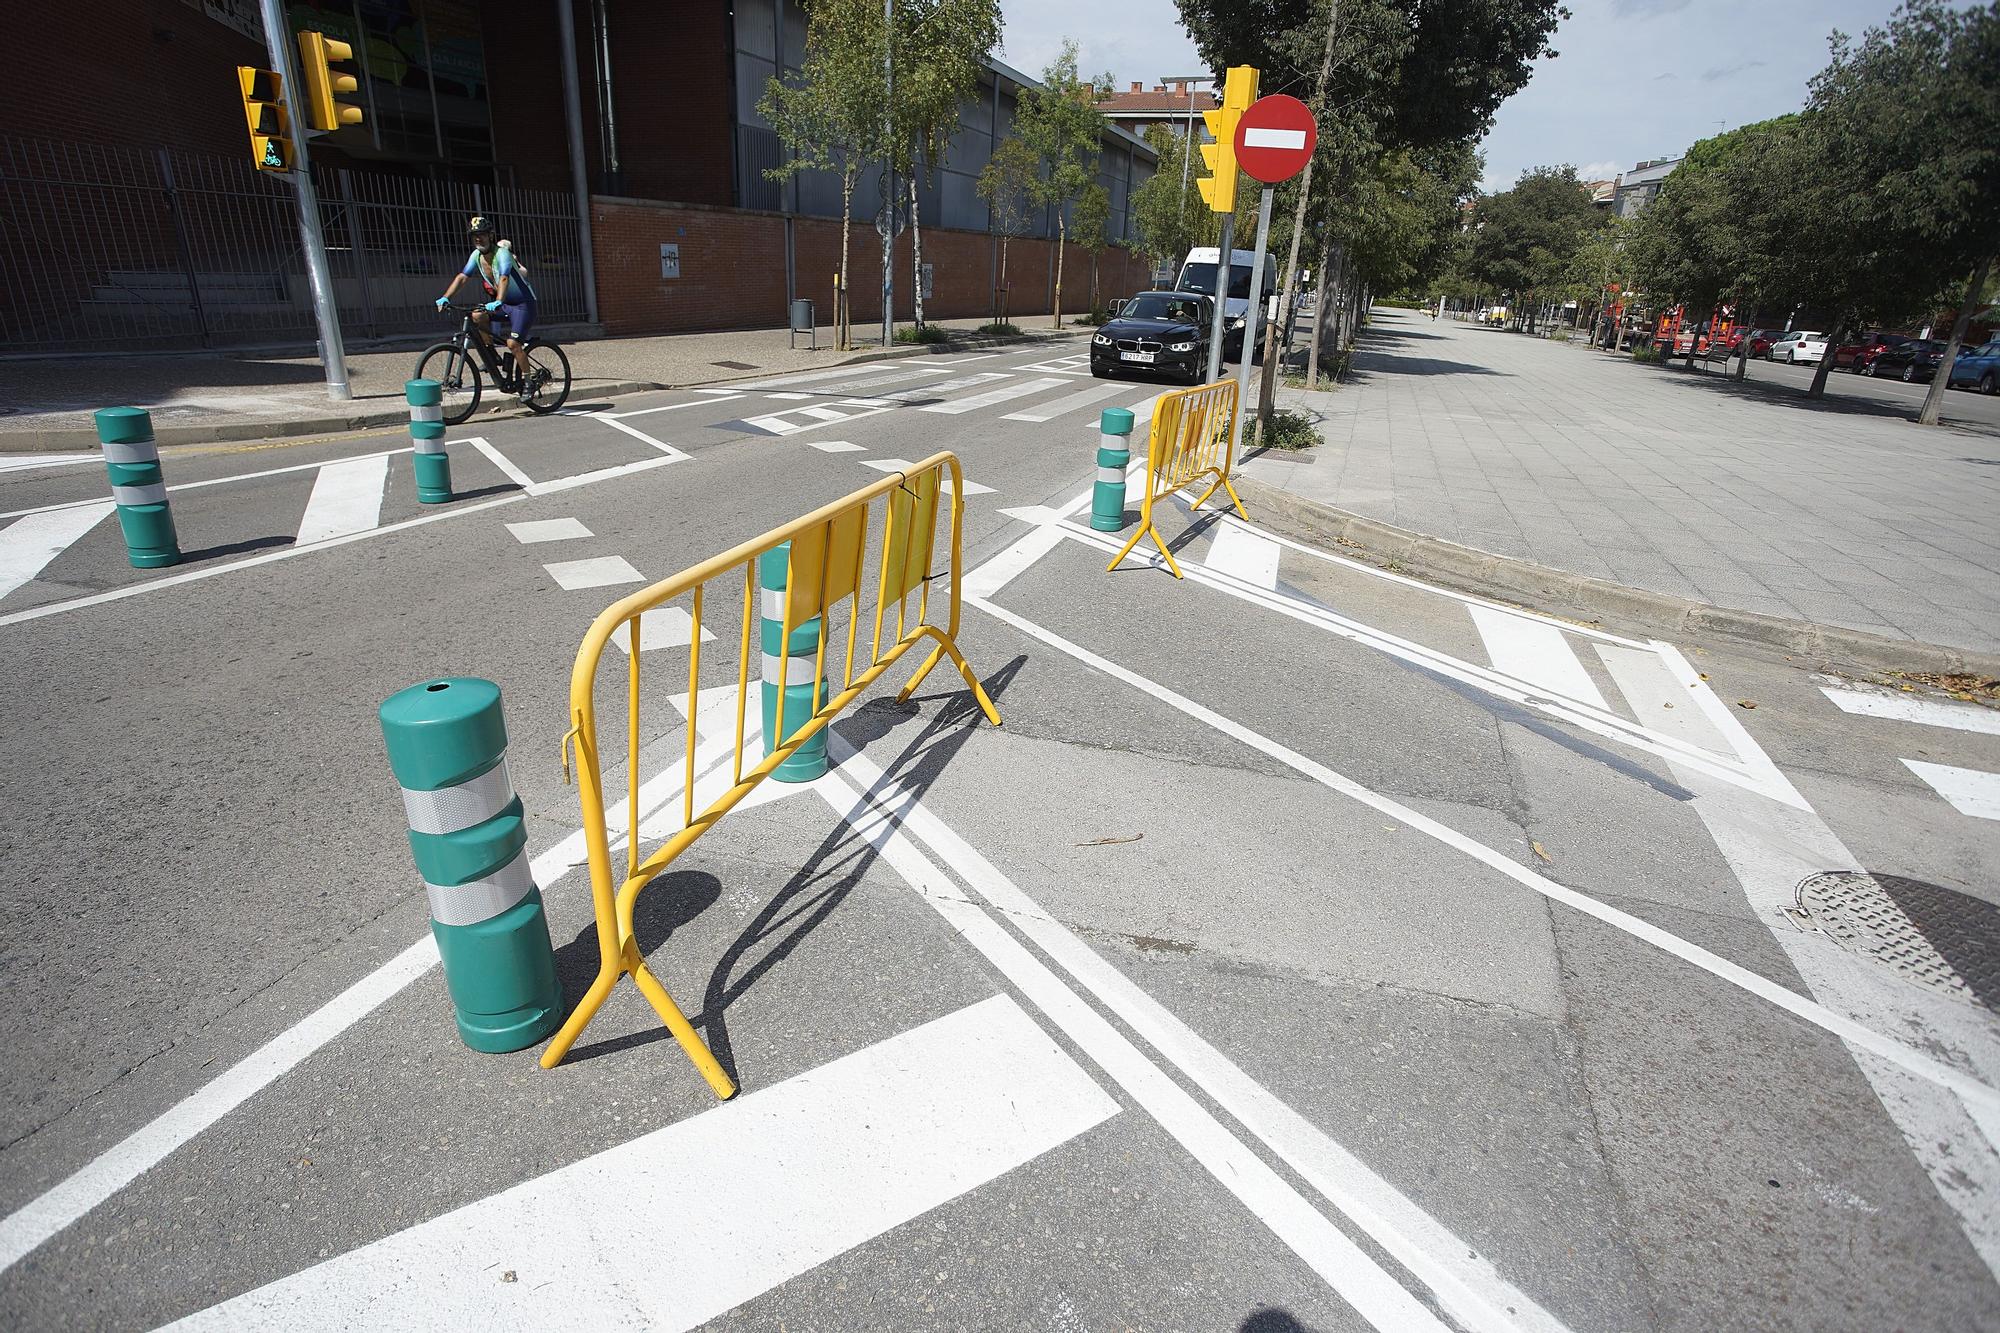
1275,138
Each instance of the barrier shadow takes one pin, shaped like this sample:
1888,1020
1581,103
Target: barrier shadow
237,548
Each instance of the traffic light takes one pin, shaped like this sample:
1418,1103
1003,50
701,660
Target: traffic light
318,54
264,111
1239,90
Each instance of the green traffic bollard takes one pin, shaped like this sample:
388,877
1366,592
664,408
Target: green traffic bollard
430,462
809,760
138,487
1107,498
448,749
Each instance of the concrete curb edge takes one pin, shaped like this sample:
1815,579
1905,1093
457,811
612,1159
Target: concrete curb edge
85,437
1559,592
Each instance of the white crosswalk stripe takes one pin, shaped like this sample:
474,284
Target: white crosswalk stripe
1536,652
602,571
1970,791
1004,393
346,498
1055,407
27,545
1875,701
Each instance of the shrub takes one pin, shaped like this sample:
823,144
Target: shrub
928,333
1290,430
1648,353
1001,330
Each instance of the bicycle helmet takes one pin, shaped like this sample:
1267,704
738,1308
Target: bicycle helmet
481,225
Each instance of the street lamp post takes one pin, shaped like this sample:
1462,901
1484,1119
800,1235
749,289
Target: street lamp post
1190,80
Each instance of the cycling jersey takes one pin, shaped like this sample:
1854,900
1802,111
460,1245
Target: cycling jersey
502,265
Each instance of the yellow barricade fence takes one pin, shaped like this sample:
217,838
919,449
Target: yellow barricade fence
1190,440
830,550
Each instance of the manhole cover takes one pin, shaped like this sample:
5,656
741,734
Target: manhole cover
1936,937
733,365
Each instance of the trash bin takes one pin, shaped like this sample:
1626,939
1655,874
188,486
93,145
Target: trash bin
803,322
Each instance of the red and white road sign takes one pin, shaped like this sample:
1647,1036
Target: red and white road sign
1275,138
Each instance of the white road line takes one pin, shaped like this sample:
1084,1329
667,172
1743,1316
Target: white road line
887,464
1874,701
760,1190
1241,553
213,481
548,530
1599,721
1049,411
820,376
599,571
820,413
641,435
724,395
268,557
1019,389
936,387
661,627
774,423
1339,1262
1771,849
27,545
1467,1286
603,474
33,462
834,446
791,397
504,463
974,488
1970,791
1046,534
346,497
1535,651
1971,1089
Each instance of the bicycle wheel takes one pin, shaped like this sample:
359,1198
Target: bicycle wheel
458,376
550,366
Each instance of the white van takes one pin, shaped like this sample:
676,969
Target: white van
1198,275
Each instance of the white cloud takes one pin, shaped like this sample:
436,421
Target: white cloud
1600,171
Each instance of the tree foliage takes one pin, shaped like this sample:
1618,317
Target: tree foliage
1169,217
1525,240
1061,125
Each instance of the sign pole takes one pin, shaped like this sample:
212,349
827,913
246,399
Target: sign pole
1250,317
333,355
1223,269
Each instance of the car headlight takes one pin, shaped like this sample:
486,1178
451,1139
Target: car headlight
1236,323
1180,347
1102,340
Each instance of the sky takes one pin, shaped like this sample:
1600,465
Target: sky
1633,79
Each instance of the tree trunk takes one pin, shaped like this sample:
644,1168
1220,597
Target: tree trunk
916,256
1833,340
846,213
1062,238
1319,312
1288,280
1934,400
1742,366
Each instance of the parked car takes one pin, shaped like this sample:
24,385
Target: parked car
1156,333
1760,340
1198,273
1914,360
1799,347
1856,355
1977,367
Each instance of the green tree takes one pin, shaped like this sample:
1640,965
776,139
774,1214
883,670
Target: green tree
1093,215
1170,218
940,53
1063,127
1008,185
831,120
1525,239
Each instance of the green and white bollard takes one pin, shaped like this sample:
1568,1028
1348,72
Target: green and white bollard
448,749
431,463
1114,453
138,487
809,760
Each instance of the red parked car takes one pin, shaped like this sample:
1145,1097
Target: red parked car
1857,355
1760,340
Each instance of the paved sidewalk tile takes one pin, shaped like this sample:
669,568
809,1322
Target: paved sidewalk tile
1667,480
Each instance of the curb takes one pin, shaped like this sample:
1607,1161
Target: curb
1592,600
85,437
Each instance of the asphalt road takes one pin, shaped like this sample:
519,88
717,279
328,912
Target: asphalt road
1311,948
1962,407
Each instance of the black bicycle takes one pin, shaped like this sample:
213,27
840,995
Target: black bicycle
457,365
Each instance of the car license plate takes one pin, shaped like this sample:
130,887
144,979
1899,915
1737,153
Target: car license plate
1137,356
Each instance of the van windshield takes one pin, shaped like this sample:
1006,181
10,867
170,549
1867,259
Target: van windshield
1201,278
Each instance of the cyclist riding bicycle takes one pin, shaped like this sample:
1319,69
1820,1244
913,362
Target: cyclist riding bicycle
511,310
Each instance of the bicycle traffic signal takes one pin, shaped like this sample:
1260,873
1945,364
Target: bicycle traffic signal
264,111
318,54
1239,90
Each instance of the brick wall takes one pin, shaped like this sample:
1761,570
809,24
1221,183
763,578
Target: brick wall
733,270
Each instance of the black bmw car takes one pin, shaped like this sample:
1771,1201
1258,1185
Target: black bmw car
1163,333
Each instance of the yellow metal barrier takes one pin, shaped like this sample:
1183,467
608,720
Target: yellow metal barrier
1190,440
830,550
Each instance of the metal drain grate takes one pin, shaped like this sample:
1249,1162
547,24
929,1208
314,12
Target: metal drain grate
1945,941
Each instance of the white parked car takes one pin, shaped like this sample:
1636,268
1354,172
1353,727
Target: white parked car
1799,347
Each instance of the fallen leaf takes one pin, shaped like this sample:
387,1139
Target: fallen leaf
1746,703
1538,848
1111,842
1704,675
1666,705
508,1276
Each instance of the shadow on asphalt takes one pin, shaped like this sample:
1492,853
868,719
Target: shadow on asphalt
236,548
833,871
1368,364
1717,380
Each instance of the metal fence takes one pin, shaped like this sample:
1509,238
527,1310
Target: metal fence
119,249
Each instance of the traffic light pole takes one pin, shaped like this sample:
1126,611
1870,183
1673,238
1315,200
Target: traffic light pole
278,38
1250,319
1224,269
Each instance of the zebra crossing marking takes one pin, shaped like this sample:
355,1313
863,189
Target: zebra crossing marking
346,498
1004,393
602,571
1968,790
27,545
1056,407
548,530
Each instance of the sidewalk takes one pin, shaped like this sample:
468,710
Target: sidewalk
1564,462
46,405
